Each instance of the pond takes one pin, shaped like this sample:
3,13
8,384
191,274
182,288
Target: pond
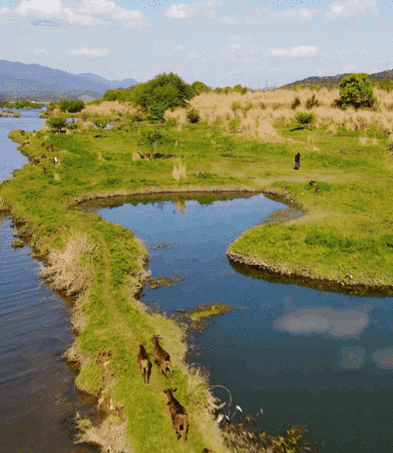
37,393
305,356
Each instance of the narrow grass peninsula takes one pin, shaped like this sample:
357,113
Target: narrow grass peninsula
241,143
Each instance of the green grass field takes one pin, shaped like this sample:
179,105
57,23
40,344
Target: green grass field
346,231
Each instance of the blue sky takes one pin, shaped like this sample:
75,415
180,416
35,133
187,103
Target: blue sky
219,42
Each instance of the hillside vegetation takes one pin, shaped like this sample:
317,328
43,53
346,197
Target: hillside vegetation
241,142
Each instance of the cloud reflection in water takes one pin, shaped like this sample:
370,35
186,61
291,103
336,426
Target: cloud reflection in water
324,320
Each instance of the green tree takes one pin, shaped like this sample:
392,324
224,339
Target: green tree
356,90
56,123
165,91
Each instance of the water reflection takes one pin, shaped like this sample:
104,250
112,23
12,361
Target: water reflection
383,358
352,357
325,320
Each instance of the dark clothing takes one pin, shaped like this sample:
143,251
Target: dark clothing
297,162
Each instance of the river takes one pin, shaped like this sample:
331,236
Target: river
37,393
304,356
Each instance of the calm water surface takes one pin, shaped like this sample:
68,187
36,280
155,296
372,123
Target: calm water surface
37,395
304,356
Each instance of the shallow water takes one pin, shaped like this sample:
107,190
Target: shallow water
304,356
37,394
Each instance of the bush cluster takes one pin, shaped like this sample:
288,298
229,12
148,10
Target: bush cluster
228,89
192,115
71,106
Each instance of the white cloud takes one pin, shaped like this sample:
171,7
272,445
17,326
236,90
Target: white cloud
88,52
350,9
294,52
229,21
208,8
193,55
304,14
46,7
83,12
180,48
337,323
262,16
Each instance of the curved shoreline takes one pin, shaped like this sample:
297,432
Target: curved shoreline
271,271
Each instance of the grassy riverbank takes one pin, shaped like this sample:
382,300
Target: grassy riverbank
344,235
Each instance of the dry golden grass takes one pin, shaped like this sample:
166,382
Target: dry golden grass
179,114
179,171
65,270
262,108
108,108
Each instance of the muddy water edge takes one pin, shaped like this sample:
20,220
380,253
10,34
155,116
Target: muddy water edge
38,398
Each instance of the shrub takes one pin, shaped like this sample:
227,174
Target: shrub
73,124
249,105
304,120
56,123
384,85
71,106
192,115
52,106
296,102
200,87
356,90
312,102
154,139
236,105
234,124
240,89
101,123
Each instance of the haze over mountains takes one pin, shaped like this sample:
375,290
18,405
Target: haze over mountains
41,83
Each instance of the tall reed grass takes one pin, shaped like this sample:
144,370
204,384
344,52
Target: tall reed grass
261,108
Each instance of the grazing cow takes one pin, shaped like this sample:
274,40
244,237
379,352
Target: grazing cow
25,143
50,147
55,160
45,170
178,414
22,132
312,183
317,190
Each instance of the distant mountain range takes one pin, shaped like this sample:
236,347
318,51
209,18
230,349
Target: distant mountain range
41,83
334,80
